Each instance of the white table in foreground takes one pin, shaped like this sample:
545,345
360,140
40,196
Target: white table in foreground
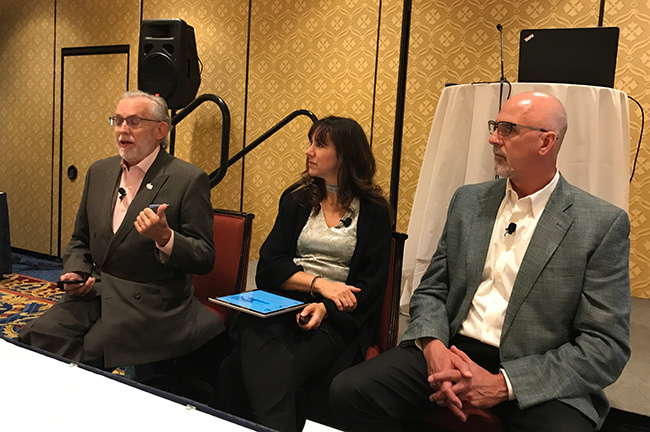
40,393
595,156
43,394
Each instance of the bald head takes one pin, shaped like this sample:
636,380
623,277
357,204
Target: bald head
542,110
527,151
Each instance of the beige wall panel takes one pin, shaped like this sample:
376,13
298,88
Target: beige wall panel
82,23
221,29
94,23
88,24
386,94
317,55
92,86
632,77
26,56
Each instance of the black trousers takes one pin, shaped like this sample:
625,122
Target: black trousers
378,394
273,361
71,329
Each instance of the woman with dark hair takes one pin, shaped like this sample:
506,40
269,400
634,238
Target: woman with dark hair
330,247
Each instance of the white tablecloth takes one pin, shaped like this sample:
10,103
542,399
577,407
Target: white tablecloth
43,394
39,393
595,156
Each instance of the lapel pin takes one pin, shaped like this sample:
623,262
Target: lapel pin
149,186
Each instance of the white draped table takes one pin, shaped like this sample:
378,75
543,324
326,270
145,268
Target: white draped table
40,393
595,156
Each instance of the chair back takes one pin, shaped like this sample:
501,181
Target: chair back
386,333
231,232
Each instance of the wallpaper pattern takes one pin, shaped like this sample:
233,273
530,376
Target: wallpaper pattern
26,120
267,58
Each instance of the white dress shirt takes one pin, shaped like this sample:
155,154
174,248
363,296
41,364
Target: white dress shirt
484,320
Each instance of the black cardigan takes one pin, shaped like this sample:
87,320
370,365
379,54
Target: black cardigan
368,267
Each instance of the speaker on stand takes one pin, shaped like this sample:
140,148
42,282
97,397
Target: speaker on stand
168,64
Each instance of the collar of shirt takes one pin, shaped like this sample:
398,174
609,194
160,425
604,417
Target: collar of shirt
130,181
538,199
144,164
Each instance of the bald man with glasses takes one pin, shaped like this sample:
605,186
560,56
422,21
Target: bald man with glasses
524,309
144,226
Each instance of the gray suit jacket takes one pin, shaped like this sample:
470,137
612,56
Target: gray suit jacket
566,329
149,311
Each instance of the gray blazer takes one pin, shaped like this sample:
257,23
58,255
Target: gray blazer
149,311
566,329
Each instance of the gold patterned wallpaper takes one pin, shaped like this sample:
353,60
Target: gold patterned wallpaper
26,83
221,37
317,55
91,84
328,56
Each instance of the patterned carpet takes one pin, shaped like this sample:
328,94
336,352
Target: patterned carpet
22,299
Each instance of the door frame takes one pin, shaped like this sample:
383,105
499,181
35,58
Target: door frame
74,52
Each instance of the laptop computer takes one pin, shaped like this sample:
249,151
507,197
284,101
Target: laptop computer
569,55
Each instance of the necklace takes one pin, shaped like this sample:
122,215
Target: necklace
332,188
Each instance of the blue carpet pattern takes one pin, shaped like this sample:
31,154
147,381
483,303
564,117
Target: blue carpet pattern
22,299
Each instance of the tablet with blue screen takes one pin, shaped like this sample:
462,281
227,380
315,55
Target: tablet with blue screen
259,303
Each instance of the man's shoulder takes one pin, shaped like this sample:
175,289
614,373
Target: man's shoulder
109,162
478,190
585,201
177,166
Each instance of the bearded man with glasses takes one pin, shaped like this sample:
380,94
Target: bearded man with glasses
144,226
524,309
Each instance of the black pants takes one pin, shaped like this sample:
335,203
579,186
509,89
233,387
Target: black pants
274,359
377,394
71,329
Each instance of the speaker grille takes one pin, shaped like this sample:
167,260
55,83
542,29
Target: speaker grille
158,75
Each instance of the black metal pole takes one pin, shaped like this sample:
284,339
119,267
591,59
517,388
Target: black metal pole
219,174
172,136
399,108
266,135
601,13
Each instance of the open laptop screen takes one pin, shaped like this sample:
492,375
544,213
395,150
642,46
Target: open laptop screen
569,55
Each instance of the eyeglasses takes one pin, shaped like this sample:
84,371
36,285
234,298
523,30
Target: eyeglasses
133,122
505,128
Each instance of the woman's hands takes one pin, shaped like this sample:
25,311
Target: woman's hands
341,294
311,316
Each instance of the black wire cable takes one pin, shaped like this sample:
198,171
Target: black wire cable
638,147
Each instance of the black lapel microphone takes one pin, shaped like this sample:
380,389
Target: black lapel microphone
511,228
122,193
346,222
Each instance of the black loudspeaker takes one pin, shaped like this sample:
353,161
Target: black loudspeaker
168,64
